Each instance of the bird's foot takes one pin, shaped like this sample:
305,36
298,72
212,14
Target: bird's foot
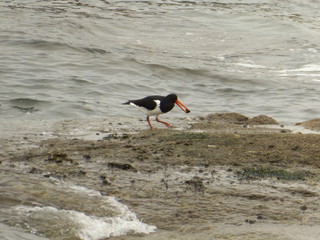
165,123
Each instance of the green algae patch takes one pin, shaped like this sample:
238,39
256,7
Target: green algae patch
257,173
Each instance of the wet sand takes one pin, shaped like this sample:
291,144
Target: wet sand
225,176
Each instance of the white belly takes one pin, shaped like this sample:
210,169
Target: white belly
153,112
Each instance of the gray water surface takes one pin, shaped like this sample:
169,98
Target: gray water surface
82,59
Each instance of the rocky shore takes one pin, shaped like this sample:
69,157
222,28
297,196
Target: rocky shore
223,172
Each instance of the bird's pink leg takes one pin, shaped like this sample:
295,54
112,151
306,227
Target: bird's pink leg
149,123
165,123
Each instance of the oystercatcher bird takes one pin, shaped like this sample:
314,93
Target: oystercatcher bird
156,105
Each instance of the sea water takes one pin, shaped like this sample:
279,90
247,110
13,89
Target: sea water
82,59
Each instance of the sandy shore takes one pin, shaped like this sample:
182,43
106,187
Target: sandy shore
226,172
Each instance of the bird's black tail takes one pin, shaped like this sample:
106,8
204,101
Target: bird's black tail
126,103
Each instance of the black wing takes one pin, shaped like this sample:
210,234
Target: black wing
147,102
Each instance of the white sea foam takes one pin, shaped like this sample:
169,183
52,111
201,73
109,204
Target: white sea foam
88,227
304,70
307,68
81,225
250,65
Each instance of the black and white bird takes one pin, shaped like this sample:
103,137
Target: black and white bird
156,105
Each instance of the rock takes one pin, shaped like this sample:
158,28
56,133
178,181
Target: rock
104,180
237,118
262,120
313,124
232,117
86,157
196,183
250,221
59,158
35,170
122,166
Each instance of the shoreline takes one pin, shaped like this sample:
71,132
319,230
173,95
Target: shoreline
216,171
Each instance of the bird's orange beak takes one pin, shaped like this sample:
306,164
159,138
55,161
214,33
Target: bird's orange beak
182,106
